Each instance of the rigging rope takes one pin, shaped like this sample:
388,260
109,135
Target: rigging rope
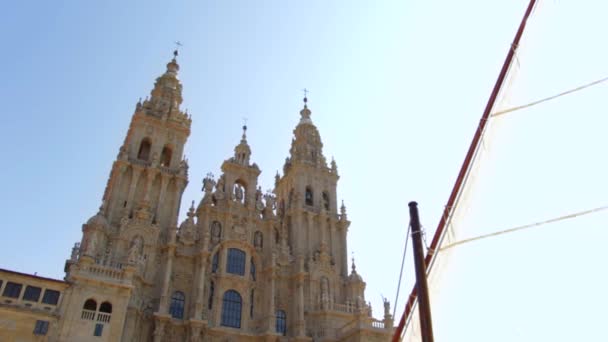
527,226
407,238
546,99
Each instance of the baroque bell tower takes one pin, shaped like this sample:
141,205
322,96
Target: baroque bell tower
124,246
149,170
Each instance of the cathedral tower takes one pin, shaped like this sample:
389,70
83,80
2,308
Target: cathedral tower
124,244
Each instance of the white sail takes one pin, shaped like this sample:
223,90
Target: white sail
480,290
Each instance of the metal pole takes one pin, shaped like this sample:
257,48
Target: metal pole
448,210
424,305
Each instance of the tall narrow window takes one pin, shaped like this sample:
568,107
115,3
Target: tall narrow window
41,328
252,270
144,149
178,301
281,322
215,262
308,197
98,330
236,261
165,156
326,200
211,293
12,290
251,297
231,309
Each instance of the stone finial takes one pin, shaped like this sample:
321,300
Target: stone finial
343,211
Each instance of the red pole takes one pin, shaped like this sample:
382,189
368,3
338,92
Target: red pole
466,164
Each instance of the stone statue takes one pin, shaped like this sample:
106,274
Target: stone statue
238,192
135,249
216,231
258,239
219,189
259,205
324,289
387,307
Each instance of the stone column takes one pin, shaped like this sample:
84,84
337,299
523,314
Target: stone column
200,285
164,298
148,186
159,329
271,301
301,326
132,186
164,183
344,252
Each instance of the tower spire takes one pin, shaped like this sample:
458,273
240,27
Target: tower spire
305,112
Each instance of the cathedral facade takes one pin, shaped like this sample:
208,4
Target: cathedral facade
243,266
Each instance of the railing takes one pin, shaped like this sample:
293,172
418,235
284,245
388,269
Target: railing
139,162
105,271
378,324
169,170
103,317
109,263
88,315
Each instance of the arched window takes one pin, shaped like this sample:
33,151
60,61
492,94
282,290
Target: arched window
326,200
211,293
144,149
236,261
105,307
277,237
252,270
88,309
281,322
165,156
90,304
215,262
308,196
105,312
231,309
178,301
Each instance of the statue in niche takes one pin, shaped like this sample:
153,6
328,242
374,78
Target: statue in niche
238,193
324,291
258,239
216,232
259,205
136,249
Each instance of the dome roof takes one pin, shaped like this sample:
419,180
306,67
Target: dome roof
354,277
98,219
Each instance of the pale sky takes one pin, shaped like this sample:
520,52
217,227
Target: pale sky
396,91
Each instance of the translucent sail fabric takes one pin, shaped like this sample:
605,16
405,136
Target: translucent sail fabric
533,164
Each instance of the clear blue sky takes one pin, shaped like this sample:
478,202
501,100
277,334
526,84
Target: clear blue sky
396,89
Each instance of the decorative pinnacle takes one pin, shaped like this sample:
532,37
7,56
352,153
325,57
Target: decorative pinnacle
305,96
178,44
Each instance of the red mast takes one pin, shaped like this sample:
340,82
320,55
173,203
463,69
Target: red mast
447,212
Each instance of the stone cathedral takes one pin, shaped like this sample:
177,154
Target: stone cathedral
243,266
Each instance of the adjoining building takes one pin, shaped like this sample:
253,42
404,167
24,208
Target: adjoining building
243,266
